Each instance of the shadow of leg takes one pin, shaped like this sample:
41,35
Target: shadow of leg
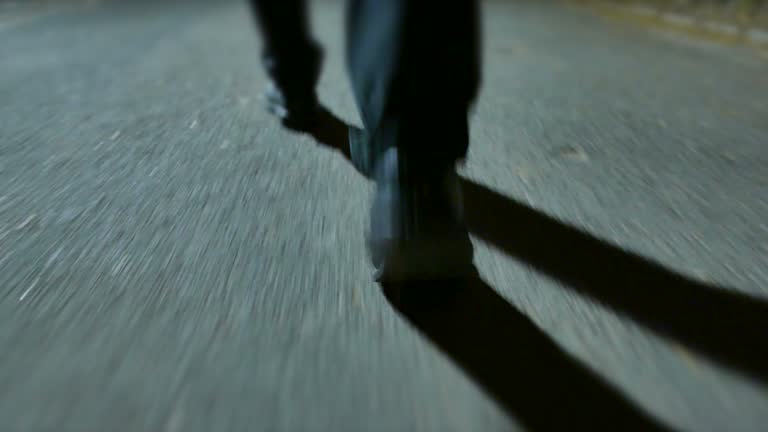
718,322
513,360
331,132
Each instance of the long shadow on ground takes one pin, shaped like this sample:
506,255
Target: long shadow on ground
520,365
717,322
526,372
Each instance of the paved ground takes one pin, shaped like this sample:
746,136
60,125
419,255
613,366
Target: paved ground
171,260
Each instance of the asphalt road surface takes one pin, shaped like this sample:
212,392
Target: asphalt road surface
172,260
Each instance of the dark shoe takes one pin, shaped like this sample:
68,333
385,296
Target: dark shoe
417,231
298,112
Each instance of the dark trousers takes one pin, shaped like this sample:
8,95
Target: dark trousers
414,67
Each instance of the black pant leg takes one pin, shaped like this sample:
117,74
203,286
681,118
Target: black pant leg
290,55
415,71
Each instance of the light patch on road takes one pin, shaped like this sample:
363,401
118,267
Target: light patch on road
356,300
574,153
525,177
26,222
686,356
32,285
4,25
685,29
15,14
121,264
53,257
175,422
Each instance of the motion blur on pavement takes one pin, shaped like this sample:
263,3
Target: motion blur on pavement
173,259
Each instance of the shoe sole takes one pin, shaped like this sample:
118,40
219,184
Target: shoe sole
422,260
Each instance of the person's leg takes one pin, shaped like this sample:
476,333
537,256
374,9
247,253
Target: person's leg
415,73
291,58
